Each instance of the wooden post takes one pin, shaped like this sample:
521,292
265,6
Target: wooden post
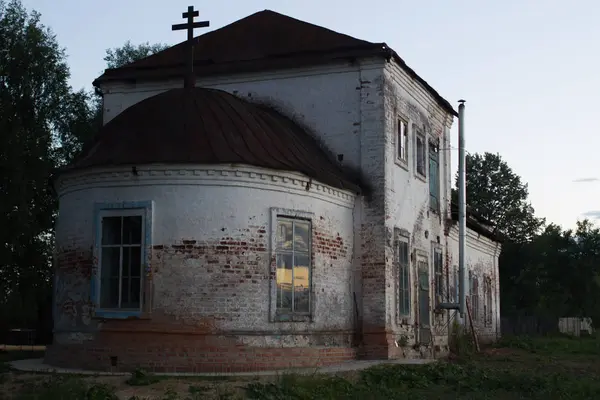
475,339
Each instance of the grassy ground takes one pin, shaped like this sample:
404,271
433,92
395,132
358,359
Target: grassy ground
517,368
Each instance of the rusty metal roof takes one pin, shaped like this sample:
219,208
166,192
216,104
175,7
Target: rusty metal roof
209,126
262,41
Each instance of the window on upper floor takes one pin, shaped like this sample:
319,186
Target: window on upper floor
402,141
293,276
403,265
121,259
434,177
420,150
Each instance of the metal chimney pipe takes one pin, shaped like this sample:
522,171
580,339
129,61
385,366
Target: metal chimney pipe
462,209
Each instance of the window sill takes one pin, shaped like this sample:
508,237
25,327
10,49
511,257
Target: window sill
401,163
293,318
420,177
120,315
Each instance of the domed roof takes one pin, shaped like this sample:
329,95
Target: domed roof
209,126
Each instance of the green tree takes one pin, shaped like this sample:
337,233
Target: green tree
115,58
556,274
44,125
498,194
128,53
38,115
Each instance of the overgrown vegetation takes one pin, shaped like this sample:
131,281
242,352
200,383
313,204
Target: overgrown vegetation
518,367
141,377
555,345
59,388
553,367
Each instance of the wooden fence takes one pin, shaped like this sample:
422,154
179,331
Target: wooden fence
528,325
536,326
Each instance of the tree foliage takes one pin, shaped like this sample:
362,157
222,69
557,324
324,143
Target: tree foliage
43,125
544,270
555,274
497,193
129,53
37,112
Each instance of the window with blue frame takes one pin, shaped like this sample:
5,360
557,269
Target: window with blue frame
434,177
121,259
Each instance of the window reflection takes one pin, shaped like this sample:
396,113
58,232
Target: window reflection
293,265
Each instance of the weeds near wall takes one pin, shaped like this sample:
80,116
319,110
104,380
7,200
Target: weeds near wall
461,341
65,387
141,377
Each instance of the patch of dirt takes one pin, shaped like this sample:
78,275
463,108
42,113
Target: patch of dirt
499,351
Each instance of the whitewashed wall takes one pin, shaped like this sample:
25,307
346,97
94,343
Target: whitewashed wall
481,259
203,206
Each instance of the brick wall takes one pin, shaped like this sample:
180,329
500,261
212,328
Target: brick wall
373,233
209,290
407,208
188,353
481,260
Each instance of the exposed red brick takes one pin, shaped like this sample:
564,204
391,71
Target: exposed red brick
188,353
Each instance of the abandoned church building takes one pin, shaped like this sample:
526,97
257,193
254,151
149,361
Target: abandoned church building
287,206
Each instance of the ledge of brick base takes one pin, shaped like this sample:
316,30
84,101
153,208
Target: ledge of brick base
182,359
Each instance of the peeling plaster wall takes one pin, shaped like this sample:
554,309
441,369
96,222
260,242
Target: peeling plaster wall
324,99
481,258
343,105
353,109
211,265
407,204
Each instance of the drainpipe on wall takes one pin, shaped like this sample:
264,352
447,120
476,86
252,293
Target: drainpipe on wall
461,305
462,209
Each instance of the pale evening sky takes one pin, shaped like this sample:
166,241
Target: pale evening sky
528,69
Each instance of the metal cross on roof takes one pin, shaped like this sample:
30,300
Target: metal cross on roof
190,79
